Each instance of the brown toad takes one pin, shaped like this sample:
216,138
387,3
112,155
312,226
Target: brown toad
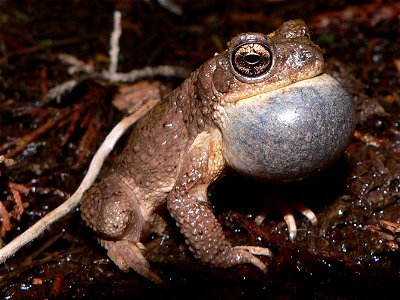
261,107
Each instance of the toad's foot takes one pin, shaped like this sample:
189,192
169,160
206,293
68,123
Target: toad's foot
289,218
126,254
256,251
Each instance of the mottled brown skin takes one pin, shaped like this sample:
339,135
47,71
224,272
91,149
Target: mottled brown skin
176,151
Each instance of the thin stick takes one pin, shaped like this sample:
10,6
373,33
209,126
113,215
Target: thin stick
147,72
132,76
114,42
94,168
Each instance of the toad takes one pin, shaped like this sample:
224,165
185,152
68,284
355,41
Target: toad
263,107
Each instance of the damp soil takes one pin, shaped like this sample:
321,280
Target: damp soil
353,252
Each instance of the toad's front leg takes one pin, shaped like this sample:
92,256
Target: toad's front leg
188,205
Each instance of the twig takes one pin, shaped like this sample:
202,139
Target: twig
132,76
111,75
76,65
94,168
114,42
147,72
171,6
61,89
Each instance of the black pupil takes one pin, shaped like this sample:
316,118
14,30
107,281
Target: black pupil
252,58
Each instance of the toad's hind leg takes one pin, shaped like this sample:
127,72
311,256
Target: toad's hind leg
111,209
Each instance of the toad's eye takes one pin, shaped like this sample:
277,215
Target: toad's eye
251,60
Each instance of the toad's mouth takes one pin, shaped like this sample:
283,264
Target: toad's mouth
316,83
277,82
291,132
